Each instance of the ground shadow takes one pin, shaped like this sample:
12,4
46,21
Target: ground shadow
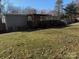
46,25
31,29
42,26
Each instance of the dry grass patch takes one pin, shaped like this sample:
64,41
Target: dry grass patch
41,44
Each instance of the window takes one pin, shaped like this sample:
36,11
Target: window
29,18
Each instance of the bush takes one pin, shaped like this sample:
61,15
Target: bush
58,23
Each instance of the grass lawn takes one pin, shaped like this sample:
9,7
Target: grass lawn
62,43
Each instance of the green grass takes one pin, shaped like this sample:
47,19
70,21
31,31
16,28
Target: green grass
41,44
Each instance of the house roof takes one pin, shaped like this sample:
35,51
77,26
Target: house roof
29,14
14,14
38,15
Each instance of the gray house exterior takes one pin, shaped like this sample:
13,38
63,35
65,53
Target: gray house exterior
15,22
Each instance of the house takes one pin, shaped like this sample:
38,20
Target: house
37,20
15,22
77,10
77,16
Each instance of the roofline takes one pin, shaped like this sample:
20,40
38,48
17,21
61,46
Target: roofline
28,14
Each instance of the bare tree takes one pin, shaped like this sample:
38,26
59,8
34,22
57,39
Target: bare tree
52,12
43,11
0,6
58,8
77,7
30,10
13,9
